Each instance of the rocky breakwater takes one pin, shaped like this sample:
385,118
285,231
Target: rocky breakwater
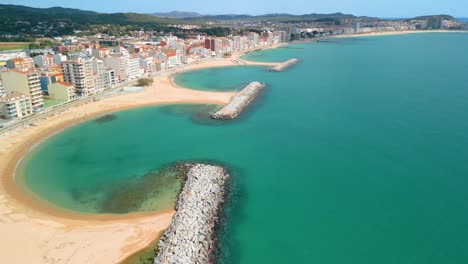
239,101
283,66
190,236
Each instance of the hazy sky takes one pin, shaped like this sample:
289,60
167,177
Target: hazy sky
380,8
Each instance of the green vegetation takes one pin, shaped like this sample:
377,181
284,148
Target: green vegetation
13,45
51,102
444,17
145,81
25,22
215,31
146,255
433,22
41,45
283,18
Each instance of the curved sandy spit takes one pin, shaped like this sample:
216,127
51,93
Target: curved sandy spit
37,232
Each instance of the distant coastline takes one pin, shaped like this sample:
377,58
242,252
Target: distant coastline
377,34
42,220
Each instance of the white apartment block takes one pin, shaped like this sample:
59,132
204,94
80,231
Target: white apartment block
24,82
104,76
108,79
80,74
98,74
15,105
171,40
2,90
148,65
58,58
118,63
44,61
100,53
133,67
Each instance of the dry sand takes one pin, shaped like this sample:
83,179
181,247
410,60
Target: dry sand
37,232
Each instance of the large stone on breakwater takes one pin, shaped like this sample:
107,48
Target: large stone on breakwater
239,101
190,236
283,66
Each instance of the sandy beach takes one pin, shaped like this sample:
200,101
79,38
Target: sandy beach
34,231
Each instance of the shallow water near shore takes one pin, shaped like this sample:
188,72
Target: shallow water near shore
357,154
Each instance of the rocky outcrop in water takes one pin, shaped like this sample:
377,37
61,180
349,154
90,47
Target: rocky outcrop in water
239,101
190,236
283,66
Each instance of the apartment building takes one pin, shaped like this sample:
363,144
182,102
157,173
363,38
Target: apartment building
44,61
58,58
133,68
24,82
21,64
118,63
15,105
104,77
148,64
62,91
2,91
80,74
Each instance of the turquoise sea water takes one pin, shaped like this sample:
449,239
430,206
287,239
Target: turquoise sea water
357,154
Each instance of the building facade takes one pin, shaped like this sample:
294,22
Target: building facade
62,91
27,83
15,105
80,74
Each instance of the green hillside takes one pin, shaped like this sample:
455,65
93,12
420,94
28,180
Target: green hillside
22,21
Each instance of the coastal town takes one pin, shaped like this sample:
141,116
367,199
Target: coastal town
58,70
64,70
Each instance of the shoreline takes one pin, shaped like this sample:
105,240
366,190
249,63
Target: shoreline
377,34
393,33
181,95
53,234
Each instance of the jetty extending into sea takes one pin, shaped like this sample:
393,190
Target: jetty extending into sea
283,66
189,239
239,101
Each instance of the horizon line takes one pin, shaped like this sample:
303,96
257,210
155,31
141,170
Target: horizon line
239,14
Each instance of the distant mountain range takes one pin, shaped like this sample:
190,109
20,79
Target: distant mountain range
51,10
24,22
177,14
283,17
21,23
15,13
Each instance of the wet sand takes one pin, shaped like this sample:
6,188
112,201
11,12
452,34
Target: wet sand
33,231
